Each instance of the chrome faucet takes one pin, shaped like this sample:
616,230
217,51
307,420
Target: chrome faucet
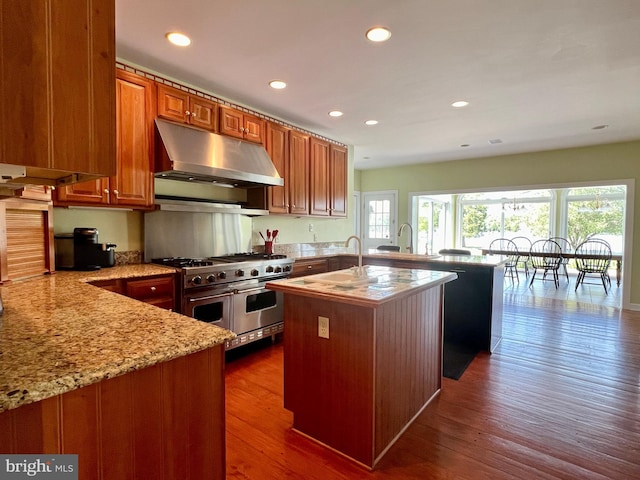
410,246
346,244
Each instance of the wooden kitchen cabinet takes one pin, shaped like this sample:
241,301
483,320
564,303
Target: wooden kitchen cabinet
277,145
236,123
158,291
328,183
132,186
319,181
180,106
57,95
302,267
298,174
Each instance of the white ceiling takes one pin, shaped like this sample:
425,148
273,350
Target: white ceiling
538,74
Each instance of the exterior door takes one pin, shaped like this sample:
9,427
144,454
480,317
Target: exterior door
379,212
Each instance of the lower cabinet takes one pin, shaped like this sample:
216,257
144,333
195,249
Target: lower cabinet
164,421
158,290
309,267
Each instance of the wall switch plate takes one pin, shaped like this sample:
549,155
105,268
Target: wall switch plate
323,327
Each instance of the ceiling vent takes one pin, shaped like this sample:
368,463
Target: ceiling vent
495,141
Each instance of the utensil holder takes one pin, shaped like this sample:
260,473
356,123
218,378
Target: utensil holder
268,247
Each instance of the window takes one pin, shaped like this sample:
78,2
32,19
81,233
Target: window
596,212
431,215
489,215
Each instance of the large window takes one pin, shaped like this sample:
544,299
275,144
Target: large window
489,215
596,212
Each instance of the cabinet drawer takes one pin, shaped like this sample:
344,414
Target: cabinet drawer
309,267
150,288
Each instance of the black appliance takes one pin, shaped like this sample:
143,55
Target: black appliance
81,250
229,291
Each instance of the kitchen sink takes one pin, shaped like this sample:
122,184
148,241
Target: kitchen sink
341,278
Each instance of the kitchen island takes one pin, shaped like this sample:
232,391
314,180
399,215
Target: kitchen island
136,391
359,389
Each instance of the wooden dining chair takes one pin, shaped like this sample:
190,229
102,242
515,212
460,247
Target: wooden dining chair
566,247
513,257
546,255
523,244
593,257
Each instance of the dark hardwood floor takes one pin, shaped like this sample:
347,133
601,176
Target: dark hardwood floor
558,399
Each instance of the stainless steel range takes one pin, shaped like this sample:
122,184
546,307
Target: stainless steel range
228,291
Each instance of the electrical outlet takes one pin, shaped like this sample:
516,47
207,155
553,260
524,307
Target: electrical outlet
311,227
323,327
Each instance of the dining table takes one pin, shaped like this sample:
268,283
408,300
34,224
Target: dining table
617,257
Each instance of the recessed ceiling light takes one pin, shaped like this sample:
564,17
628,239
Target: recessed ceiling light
460,104
465,145
600,127
494,141
179,39
335,113
371,122
277,84
378,34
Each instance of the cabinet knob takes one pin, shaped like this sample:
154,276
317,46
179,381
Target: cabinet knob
115,192
309,267
153,289
187,113
106,190
193,114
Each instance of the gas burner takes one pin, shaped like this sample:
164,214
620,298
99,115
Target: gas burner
181,262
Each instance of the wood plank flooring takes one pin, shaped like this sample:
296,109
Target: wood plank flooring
558,399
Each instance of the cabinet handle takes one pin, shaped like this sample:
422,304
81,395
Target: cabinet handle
106,190
115,192
153,289
193,114
187,113
309,267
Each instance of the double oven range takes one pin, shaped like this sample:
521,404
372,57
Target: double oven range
229,292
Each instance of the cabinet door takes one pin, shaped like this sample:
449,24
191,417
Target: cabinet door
298,173
204,113
278,150
319,162
338,181
57,95
231,122
93,192
173,104
133,182
253,128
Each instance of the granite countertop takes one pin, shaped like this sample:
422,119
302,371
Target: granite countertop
59,333
392,284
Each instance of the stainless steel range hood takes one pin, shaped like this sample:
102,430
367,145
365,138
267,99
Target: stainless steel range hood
193,155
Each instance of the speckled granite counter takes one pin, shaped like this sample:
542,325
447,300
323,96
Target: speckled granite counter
59,333
392,283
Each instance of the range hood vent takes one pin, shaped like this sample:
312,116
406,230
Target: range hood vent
191,155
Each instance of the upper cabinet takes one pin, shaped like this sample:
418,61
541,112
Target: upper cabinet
338,168
57,95
236,123
328,183
132,185
277,145
319,185
298,173
180,106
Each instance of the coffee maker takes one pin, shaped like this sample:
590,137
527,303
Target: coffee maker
80,250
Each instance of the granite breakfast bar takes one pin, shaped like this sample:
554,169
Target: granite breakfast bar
358,389
125,385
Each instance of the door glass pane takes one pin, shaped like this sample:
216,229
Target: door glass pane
379,212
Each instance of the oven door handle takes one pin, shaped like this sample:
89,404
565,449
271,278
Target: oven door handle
210,297
248,290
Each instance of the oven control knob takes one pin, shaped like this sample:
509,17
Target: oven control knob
197,279
239,273
278,269
255,272
222,275
269,269
287,268
211,278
